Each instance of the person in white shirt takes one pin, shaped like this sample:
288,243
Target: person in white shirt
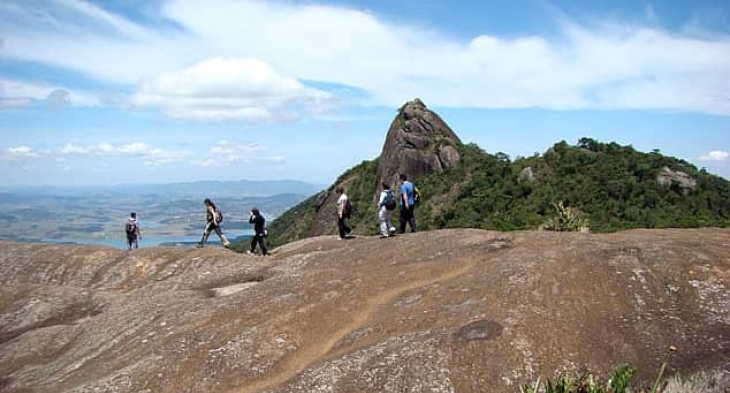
386,205
344,209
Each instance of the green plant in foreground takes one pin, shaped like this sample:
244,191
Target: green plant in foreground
620,382
565,220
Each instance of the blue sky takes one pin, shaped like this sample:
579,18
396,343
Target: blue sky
183,90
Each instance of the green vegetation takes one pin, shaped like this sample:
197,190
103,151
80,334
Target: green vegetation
609,187
565,220
620,382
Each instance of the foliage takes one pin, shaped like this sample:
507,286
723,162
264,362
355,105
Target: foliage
620,382
614,187
565,220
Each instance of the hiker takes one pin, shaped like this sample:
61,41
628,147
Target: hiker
386,204
344,210
407,204
259,229
214,217
131,227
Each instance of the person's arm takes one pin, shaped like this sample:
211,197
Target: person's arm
250,218
405,198
383,196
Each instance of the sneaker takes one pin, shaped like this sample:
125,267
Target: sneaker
249,252
199,245
227,246
383,236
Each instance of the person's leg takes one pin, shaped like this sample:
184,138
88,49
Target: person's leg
412,218
136,243
206,234
224,240
341,227
389,222
262,244
253,243
403,219
129,243
383,217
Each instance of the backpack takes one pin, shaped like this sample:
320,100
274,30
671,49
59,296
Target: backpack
131,228
390,203
416,195
217,216
347,211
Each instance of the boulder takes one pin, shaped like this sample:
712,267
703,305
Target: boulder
667,176
526,175
418,142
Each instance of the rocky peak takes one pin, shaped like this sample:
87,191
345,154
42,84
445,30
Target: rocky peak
419,142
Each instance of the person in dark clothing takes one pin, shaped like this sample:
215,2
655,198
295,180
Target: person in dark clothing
131,227
259,229
407,204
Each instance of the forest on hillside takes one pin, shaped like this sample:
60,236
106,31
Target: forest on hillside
612,187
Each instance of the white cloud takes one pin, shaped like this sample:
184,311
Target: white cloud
271,47
22,151
19,153
716,155
228,89
150,156
227,153
15,93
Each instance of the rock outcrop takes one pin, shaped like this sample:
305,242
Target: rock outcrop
419,142
443,311
667,176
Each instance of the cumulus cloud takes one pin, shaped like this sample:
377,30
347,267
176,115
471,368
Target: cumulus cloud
230,153
22,151
18,93
19,153
229,89
271,47
717,156
151,156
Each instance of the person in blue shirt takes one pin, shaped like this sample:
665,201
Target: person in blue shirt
407,204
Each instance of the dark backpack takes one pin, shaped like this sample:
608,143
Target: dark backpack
347,211
131,228
390,203
218,216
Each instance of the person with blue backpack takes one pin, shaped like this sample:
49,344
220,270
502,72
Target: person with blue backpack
386,204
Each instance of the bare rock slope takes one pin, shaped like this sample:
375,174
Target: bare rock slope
442,311
418,142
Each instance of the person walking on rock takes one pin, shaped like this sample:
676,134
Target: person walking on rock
407,204
131,227
344,210
386,204
259,229
214,217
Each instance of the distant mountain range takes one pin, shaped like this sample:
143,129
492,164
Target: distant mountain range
200,189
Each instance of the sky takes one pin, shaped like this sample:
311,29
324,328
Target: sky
161,91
